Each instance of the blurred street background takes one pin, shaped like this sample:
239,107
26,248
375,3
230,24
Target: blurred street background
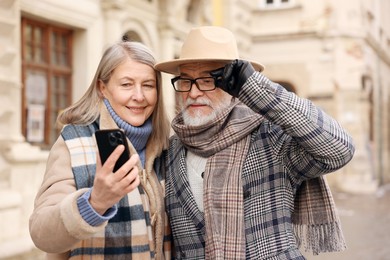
366,223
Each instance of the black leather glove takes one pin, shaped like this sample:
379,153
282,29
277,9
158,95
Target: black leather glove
233,76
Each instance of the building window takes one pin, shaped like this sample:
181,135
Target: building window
131,36
264,4
46,77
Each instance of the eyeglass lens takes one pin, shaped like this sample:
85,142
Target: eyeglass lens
203,84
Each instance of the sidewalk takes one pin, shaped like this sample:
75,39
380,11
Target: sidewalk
366,223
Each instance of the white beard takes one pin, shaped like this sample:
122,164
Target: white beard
198,119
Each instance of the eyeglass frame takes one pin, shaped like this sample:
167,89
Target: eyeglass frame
192,81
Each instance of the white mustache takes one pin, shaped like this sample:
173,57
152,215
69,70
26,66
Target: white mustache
199,101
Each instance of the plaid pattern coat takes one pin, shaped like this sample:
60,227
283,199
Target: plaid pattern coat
296,141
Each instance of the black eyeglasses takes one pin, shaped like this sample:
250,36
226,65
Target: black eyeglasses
185,85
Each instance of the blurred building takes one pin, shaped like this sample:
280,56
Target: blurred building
336,53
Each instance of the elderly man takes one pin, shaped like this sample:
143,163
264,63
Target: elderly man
245,166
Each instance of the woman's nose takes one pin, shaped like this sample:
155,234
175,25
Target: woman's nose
138,93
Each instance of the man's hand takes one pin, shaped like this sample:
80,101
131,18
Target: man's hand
233,76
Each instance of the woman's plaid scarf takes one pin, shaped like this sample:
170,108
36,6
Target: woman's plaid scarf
225,143
139,237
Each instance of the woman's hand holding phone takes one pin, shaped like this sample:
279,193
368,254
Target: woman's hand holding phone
109,185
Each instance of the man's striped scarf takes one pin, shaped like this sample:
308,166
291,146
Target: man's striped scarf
128,235
226,143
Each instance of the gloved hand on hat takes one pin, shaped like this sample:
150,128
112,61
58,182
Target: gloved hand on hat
233,76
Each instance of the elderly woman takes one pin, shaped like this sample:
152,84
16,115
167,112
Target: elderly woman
82,208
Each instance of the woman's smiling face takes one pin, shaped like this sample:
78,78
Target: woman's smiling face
132,91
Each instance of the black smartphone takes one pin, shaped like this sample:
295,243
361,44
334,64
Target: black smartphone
107,140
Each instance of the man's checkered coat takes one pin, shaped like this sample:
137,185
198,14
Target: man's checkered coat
295,142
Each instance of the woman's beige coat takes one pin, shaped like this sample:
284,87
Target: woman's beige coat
56,224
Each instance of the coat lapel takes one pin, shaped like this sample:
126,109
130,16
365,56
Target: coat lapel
183,192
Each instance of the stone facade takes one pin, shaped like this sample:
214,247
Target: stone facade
336,53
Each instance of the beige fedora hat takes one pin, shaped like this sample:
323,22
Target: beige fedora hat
205,43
